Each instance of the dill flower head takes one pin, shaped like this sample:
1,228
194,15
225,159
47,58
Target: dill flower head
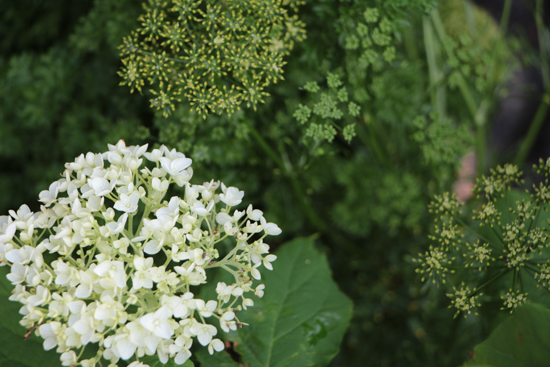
109,260
505,241
217,55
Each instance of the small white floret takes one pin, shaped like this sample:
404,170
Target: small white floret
128,203
216,345
231,195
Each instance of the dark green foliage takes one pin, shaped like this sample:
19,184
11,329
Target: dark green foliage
153,361
217,360
60,97
520,340
19,349
395,199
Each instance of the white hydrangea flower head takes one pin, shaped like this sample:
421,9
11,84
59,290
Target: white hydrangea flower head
125,264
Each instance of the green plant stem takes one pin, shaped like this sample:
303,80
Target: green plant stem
529,270
131,225
470,19
295,183
508,206
146,213
266,148
505,17
500,238
299,192
410,42
470,228
535,221
480,144
371,141
538,120
542,45
520,281
490,281
461,82
477,112
435,75
533,131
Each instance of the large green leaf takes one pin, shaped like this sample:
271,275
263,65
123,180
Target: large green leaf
302,317
15,351
217,360
153,361
522,340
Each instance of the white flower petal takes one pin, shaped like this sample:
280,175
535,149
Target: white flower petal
148,321
180,164
152,247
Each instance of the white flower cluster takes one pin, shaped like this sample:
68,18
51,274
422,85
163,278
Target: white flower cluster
107,260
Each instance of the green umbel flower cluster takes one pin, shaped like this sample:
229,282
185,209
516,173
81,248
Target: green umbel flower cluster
483,61
468,59
326,107
442,142
217,55
503,250
372,36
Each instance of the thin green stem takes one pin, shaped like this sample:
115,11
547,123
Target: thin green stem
520,281
225,259
295,183
533,131
543,52
372,140
508,206
80,354
505,17
307,208
470,19
266,148
463,224
537,261
131,225
410,42
498,235
478,112
461,82
535,221
480,148
495,277
145,215
534,272
435,75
